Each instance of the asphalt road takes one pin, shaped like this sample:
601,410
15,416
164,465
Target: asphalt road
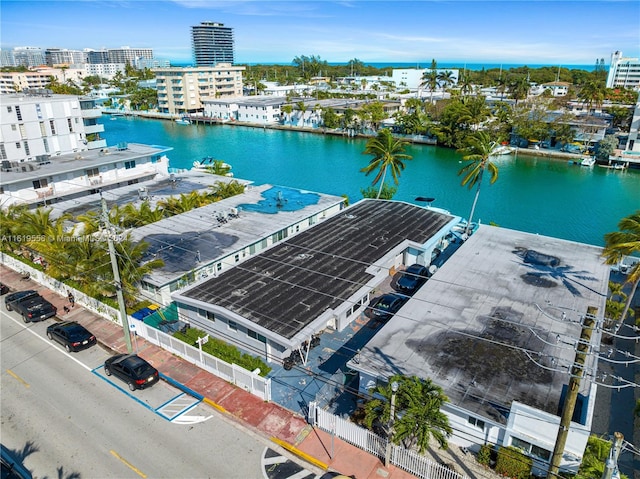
68,420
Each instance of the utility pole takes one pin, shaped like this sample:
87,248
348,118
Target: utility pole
577,372
611,464
116,276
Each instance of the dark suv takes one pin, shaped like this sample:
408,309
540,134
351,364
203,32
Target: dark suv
132,369
412,279
385,306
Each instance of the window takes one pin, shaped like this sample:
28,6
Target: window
236,258
128,165
42,183
256,336
18,145
52,125
132,182
476,422
9,109
233,326
23,131
531,449
14,127
26,148
219,267
201,313
46,145
39,111
70,124
93,172
3,152
19,113
210,316
43,130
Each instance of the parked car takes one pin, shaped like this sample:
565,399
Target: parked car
73,336
412,279
19,296
385,306
132,369
34,309
4,289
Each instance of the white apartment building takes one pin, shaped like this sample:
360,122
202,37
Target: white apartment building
103,70
11,82
36,124
623,72
183,90
411,78
25,56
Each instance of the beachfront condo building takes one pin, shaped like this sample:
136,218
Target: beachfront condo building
623,72
212,44
183,90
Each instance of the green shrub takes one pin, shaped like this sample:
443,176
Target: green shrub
484,455
513,463
222,350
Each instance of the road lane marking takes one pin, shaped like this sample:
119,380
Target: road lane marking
46,341
25,383
128,464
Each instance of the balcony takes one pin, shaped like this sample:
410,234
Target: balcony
90,129
91,113
94,145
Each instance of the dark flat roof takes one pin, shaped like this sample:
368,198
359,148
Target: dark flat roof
497,322
288,286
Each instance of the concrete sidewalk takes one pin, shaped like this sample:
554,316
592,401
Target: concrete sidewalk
270,420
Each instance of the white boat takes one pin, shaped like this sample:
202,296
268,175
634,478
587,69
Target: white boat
588,161
209,163
501,150
183,121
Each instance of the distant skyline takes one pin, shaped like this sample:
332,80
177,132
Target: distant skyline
511,32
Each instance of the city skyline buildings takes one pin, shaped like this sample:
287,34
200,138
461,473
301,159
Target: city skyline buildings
212,44
510,32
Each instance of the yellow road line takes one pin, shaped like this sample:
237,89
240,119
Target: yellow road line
128,464
25,383
301,454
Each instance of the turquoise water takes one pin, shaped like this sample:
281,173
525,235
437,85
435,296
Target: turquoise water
545,196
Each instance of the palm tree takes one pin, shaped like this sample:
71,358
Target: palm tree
303,109
622,243
430,79
388,152
520,89
477,153
592,93
418,417
445,79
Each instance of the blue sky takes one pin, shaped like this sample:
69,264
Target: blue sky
526,32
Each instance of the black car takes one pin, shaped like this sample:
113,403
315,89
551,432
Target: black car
34,309
412,279
19,296
4,289
132,369
385,306
73,336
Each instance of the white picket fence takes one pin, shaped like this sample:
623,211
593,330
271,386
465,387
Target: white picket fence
366,440
247,380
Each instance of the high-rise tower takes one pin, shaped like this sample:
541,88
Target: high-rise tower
212,44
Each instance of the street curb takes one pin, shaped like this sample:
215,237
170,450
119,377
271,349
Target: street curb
301,454
216,406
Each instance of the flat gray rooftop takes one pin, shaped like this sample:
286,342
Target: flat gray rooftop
501,293
82,160
155,190
193,239
290,285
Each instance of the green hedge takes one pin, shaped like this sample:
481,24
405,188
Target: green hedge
513,463
224,351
